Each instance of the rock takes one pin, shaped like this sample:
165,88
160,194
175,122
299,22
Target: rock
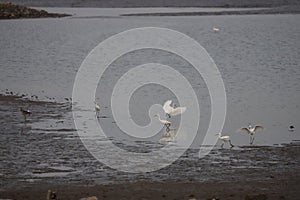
12,11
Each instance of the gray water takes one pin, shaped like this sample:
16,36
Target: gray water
257,55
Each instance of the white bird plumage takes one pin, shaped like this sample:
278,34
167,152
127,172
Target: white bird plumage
171,111
216,29
225,139
167,137
251,130
97,109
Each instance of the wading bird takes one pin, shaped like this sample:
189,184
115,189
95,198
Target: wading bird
166,123
216,29
251,131
225,139
25,113
172,111
291,128
97,109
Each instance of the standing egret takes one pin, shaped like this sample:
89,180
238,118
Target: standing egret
225,139
216,29
166,123
251,131
25,113
97,109
171,111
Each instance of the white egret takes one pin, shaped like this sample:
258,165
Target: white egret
216,29
171,111
25,113
251,131
166,123
97,109
225,139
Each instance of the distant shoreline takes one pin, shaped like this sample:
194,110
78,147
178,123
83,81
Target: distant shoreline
156,3
13,11
280,10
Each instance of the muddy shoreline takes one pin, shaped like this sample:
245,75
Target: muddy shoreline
35,159
285,188
267,11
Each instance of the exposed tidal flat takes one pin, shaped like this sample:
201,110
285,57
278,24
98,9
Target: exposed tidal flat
257,55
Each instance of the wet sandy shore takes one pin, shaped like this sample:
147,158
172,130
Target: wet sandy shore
45,153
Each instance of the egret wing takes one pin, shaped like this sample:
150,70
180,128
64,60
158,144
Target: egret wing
178,111
167,107
258,127
243,129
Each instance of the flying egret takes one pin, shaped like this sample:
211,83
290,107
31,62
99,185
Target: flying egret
25,113
97,109
171,111
166,123
251,131
216,29
225,139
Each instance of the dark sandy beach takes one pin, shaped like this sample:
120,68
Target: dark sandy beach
285,187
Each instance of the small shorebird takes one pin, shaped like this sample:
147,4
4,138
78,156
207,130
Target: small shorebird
216,29
251,131
25,113
172,111
97,109
166,123
225,139
291,128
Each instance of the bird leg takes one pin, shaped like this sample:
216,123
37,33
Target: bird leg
231,144
251,139
168,128
222,145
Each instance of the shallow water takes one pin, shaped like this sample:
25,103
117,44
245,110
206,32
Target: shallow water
258,57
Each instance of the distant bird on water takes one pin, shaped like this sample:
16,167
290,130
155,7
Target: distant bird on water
25,113
291,128
172,111
97,109
216,29
225,139
251,131
166,123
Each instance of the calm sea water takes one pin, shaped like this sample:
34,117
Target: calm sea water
257,55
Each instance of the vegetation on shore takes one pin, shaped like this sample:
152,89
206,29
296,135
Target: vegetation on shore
13,11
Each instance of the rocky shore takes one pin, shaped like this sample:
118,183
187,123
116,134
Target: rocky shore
13,11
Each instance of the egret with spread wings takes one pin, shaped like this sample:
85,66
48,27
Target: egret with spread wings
251,131
172,111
